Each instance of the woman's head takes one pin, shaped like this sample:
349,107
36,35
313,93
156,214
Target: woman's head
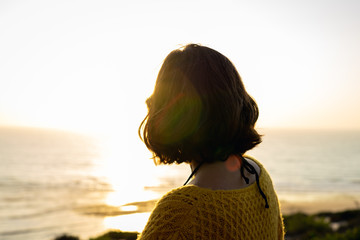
199,110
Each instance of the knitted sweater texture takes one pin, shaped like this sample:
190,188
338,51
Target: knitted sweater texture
192,212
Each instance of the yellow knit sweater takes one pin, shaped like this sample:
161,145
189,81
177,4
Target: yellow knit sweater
191,212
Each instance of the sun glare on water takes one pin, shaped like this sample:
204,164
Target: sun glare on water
127,167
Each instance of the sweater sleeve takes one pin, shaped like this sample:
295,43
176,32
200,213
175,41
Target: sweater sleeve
281,231
170,218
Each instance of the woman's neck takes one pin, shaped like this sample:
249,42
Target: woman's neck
222,175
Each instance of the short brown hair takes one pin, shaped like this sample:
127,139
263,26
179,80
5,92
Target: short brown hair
199,110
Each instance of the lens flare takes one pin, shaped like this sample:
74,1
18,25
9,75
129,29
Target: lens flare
233,163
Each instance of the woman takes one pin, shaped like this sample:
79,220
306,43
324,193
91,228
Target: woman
200,114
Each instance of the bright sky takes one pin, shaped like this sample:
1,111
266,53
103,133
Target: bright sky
90,65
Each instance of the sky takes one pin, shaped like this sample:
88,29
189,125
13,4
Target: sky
90,65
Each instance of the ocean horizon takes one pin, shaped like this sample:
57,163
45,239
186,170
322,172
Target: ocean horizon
54,182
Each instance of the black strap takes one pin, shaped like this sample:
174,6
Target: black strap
250,168
193,173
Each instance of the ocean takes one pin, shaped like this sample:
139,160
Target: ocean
54,182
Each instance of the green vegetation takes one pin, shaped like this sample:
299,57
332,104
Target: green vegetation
323,226
112,235
351,234
305,227
66,237
117,236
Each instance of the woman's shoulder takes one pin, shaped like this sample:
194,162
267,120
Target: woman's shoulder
171,217
175,202
175,205
184,196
